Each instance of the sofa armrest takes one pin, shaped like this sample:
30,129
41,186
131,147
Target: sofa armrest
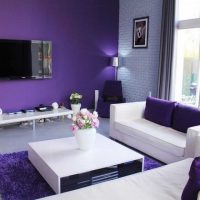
193,142
198,197
125,111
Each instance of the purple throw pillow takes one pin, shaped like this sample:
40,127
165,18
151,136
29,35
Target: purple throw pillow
185,117
159,111
192,187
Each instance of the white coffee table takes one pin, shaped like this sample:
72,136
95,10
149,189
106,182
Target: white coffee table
65,167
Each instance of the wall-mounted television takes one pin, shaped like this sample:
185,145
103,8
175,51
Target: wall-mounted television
25,59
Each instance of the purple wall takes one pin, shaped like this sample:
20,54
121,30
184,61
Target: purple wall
84,34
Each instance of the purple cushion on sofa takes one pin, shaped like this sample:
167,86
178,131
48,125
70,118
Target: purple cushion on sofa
159,111
192,187
185,117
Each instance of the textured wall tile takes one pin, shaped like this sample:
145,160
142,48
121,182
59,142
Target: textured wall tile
139,70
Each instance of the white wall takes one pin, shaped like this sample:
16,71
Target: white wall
139,73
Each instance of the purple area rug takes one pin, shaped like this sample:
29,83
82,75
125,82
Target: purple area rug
19,180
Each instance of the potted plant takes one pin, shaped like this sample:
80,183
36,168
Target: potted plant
84,128
75,100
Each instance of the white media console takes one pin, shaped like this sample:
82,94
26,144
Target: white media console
32,116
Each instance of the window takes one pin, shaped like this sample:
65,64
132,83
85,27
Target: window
188,9
186,83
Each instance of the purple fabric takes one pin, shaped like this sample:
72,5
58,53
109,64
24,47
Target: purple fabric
103,108
185,117
112,93
192,187
19,180
159,111
150,163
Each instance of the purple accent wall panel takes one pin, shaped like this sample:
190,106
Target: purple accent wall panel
84,35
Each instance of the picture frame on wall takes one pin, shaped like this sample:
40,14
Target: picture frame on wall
140,32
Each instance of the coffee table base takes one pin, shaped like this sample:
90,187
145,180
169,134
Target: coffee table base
97,176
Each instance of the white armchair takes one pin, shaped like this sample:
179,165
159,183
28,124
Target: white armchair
166,144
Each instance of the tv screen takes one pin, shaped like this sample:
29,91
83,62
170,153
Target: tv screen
25,59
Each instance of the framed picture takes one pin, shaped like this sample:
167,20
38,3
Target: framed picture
140,32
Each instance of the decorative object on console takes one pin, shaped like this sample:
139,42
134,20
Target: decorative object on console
112,93
192,187
43,108
28,110
1,111
55,105
75,99
84,128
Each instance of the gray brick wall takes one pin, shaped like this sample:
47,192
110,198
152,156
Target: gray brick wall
139,70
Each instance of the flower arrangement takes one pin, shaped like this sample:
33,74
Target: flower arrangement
75,98
84,120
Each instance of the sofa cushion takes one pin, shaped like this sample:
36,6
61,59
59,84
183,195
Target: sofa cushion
164,138
185,117
159,111
193,185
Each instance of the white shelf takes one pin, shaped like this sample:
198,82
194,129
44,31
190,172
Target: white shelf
32,116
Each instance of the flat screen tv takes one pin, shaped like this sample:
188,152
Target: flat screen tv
25,59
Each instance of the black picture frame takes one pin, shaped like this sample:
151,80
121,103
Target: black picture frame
140,32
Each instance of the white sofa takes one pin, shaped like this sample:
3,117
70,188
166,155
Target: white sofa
166,144
164,183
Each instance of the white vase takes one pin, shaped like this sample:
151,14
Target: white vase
55,105
85,138
76,108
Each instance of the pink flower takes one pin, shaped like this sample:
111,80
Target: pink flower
96,123
80,124
85,119
74,128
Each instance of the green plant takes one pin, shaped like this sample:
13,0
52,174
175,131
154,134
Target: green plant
75,98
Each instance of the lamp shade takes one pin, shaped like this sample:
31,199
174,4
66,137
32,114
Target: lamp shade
115,61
